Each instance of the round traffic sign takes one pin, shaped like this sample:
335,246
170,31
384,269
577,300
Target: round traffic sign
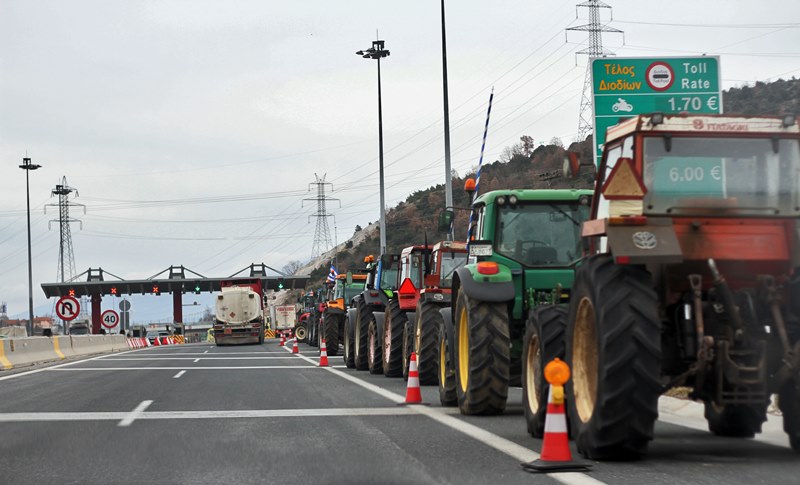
109,318
124,305
68,308
659,76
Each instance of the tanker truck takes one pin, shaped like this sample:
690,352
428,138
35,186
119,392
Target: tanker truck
239,315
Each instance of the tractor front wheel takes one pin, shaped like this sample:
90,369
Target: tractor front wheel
426,333
374,361
614,350
393,340
789,404
483,356
363,316
349,346
331,334
543,342
447,374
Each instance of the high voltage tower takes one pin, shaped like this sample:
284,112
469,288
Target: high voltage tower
595,49
66,256
322,234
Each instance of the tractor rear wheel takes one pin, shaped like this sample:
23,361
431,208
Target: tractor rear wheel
426,340
789,404
543,342
735,420
349,346
482,357
614,350
331,334
363,316
393,340
374,346
447,374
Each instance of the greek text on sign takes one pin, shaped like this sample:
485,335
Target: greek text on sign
68,308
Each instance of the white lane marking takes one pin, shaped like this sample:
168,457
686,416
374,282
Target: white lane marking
204,358
221,414
112,356
488,438
205,352
196,360
222,367
134,415
54,367
179,374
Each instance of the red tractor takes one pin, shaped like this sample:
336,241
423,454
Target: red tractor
691,278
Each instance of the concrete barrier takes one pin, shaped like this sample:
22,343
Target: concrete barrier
30,350
62,346
117,342
5,349
90,344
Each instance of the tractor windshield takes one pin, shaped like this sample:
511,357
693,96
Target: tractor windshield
451,261
352,290
541,234
746,176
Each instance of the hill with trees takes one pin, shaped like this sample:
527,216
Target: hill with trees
524,165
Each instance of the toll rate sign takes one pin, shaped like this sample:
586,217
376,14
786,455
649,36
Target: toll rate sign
623,87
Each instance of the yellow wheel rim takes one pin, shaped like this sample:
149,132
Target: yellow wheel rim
585,359
417,337
532,364
463,350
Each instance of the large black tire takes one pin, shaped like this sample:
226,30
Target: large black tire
789,404
426,342
408,347
735,420
483,355
614,350
447,374
331,334
363,316
313,336
349,345
393,340
543,342
374,346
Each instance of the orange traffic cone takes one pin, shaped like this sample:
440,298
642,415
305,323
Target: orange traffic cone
295,348
283,340
323,354
555,455
413,393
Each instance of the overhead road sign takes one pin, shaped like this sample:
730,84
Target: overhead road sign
628,86
68,308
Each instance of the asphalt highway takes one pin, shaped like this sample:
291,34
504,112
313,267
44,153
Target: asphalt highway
201,414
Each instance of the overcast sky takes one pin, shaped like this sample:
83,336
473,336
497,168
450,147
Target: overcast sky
192,129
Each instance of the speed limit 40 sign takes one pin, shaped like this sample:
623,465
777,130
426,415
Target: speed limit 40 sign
109,318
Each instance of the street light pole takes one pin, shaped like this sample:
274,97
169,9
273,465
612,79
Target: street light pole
28,166
448,182
376,52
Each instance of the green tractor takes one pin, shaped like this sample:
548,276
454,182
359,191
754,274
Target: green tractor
522,251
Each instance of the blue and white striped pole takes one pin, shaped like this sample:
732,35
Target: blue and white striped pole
480,164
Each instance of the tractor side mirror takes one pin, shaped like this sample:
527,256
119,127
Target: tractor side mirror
445,220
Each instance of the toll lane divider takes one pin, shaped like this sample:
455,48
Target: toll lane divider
23,351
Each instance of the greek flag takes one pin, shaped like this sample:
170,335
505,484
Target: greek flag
332,275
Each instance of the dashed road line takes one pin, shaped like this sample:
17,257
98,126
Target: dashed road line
221,367
179,374
196,360
133,415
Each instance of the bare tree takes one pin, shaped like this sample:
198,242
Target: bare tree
292,266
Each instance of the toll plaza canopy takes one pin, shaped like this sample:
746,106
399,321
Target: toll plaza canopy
173,280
